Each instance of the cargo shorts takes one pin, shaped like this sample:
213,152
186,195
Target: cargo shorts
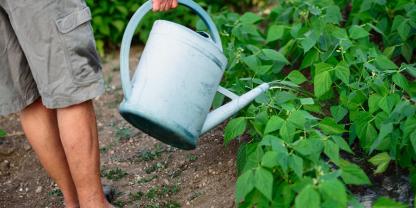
47,50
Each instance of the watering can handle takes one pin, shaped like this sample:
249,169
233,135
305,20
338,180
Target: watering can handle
131,28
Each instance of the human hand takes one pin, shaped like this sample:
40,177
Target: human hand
164,5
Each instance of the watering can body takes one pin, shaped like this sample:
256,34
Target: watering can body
176,80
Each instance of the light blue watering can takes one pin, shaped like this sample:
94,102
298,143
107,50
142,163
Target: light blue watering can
176,80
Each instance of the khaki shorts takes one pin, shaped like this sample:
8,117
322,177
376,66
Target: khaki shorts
47,50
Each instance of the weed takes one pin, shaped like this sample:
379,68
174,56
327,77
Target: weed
114,174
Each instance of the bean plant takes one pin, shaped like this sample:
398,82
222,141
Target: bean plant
343,77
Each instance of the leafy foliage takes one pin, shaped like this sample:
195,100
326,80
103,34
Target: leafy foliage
346,75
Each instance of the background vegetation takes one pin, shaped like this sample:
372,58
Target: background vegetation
344,86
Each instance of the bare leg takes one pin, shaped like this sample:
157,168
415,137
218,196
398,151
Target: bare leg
41,129
78,131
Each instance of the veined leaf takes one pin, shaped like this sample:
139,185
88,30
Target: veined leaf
275,32
308,197
329,126
353,174
381,160
245,184
234,128
357,32
264,182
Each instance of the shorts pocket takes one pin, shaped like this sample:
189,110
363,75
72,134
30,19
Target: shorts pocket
79,45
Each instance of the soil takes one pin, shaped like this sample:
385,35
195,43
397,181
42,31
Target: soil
143,171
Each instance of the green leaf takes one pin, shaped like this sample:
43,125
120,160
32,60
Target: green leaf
306,101
384,63
381,160
342,72
338,112
234,128
413,140
333,14
334,192
245,184
342,144
275,33
373,102
332,151
385,130
401,81
264,182
310,58
404,30
353,174
275,56
2,133
357,32
322,83
297,118
252,62
274,123
309,41
384,202
296,164
249,18
308,197
329,126
407,52
270,159
296,77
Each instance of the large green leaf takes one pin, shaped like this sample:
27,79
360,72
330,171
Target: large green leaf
264,182
274,123
357,32
275,32
234,128
322,83
353,174
334,192
385,63
309,198
329,126
245,184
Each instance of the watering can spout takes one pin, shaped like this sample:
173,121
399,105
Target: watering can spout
238,102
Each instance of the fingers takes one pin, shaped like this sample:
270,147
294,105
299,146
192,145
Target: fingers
174,3
156,5
164,5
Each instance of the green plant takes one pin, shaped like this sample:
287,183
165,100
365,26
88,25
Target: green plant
114,174
346,76
2,133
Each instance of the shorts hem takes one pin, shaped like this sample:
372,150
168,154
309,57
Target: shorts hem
17,105
81,95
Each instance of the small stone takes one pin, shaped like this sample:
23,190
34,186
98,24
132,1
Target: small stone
38,189
5,165
27,147
6,150
166,181
187,203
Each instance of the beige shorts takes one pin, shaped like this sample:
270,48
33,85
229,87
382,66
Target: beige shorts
47,50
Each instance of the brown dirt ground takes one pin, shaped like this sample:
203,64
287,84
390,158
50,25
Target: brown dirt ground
145,172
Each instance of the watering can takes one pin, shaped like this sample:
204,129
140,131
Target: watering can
175,82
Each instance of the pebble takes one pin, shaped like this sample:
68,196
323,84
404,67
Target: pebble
27,147
5,165
6,150
38,189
